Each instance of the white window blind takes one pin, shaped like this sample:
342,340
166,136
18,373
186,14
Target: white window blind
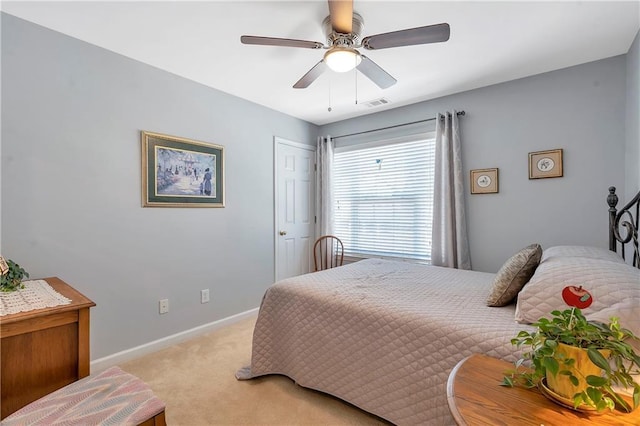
384,199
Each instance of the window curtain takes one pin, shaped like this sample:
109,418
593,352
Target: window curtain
324,189
450,245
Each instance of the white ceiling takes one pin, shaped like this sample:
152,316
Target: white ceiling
490,42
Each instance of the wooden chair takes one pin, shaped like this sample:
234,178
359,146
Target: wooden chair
328,252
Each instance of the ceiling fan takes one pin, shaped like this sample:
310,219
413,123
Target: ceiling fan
343,28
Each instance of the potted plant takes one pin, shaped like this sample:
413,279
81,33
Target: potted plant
577,362
12,275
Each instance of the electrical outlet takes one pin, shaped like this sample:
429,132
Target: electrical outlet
204,296
164,306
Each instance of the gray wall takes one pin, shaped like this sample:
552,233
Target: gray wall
633,120
70,188
579,109
71,192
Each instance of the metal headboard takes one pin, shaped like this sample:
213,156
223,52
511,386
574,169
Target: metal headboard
627,219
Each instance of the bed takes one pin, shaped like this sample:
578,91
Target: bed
384,335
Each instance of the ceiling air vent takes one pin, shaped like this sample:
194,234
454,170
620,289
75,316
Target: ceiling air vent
376,103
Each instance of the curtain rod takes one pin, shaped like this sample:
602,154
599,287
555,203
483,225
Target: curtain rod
392,127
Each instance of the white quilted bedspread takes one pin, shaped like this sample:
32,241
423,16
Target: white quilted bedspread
380,334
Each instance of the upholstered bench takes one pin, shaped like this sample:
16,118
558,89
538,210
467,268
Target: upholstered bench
113,397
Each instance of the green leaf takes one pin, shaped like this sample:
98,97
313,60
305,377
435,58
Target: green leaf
507,381
618,399
597,358
596,381
545,352
551,364
574,380
594,394
601,405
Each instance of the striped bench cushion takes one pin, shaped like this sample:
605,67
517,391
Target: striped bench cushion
113,397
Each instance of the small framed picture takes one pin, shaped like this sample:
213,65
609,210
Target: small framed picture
545,164
484,181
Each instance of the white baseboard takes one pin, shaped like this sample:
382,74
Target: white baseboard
129,354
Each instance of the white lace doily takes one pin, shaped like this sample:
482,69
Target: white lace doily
36,294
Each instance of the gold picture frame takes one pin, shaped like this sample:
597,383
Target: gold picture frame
484,181
180,172
545,164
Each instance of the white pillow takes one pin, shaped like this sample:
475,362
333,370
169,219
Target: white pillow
581,251
608,282
628,313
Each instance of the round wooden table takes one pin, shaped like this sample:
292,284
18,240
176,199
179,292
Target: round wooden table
475,397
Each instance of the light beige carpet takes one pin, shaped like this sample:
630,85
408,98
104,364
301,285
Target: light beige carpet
196,380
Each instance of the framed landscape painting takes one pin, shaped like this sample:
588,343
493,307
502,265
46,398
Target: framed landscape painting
180,172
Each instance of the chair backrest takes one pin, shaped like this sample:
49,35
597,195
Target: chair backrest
328,252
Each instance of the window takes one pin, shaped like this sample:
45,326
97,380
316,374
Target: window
383,196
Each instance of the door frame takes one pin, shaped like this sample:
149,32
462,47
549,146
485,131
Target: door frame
277,141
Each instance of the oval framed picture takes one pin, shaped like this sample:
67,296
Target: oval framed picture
484,181
545,164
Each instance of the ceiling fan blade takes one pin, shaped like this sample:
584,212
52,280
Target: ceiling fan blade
376,74
341,12
311,75
421,35
287,42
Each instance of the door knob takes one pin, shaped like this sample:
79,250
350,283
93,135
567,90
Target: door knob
283,232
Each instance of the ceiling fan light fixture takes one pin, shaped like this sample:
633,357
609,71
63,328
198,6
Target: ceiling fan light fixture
342,59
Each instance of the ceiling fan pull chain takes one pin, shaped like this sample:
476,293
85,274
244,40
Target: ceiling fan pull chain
329,109
355,74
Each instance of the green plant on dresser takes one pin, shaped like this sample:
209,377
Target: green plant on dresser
12,275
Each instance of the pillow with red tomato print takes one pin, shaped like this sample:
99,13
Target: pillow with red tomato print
587,283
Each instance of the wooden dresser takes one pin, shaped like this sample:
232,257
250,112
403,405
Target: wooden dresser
44,349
